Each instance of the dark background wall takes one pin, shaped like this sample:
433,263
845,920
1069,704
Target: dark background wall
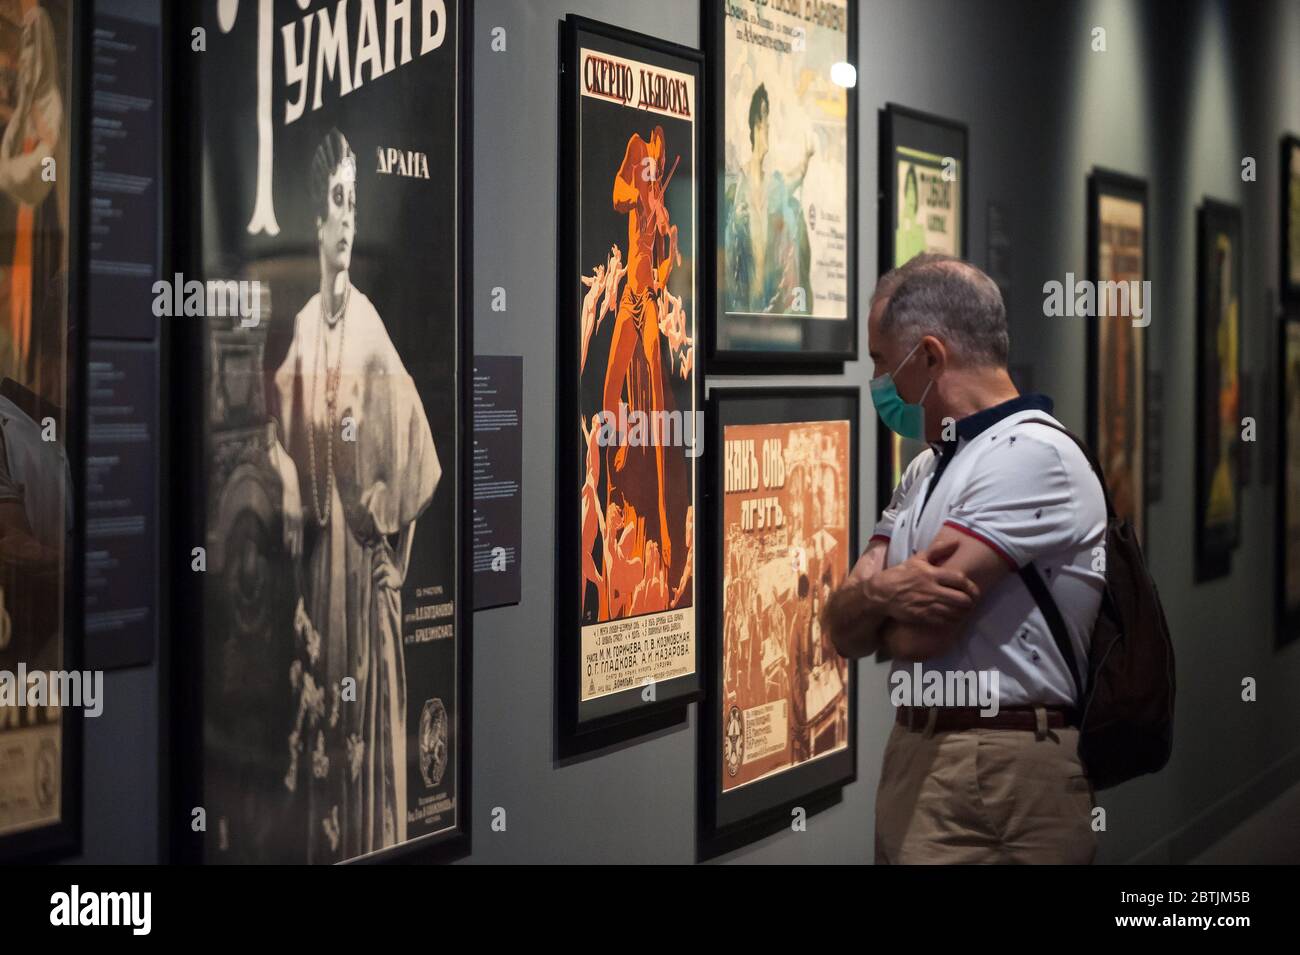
1182,93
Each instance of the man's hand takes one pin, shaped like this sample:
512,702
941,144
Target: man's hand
921,591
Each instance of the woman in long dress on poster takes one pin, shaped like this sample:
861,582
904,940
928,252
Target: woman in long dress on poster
356,457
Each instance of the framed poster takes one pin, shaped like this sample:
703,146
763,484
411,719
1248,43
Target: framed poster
629,378
44,693
1288,484
1218,387
321,345
780,723
924,171
784,147
1117,355
1289,284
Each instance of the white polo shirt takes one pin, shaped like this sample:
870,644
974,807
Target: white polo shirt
1028,492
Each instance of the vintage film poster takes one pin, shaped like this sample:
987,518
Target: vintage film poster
331,355
1288,485
784,154
784,505
1218,388
924,172
1290,251
42,108
630,418
1117,400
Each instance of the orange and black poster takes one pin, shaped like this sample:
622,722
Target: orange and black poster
41,125
630,317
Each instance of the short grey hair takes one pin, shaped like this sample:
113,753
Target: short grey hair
888,283
954,301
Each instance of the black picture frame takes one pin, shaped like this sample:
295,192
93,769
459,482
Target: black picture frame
183,341
1289,219
1213,547
1107,182
763,806
904,127
585,725
1287,614
61,839
832,341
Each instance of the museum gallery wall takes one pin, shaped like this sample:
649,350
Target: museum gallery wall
706,205
326,700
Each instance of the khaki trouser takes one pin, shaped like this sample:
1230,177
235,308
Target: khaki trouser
983,796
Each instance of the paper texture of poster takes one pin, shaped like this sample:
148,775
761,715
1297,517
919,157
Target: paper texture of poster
1121,391
785,549
36,110
637,480
927,218
784,216
333,409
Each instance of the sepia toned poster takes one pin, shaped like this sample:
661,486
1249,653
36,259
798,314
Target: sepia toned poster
1120,391
333,383
927,213
1289,519
635,429
785,239
38,368
1218,498
785,549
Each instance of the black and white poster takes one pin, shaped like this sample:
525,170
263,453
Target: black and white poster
334,616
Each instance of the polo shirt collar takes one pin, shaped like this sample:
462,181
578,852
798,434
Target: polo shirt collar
973,425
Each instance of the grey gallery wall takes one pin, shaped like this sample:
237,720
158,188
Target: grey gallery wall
1184,90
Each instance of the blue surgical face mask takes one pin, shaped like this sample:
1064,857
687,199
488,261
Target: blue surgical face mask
905,420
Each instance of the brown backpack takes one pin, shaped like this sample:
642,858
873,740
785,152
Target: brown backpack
1126,717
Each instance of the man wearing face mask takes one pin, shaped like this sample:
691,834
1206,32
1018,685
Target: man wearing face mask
998,491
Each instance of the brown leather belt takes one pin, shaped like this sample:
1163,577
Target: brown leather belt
948,719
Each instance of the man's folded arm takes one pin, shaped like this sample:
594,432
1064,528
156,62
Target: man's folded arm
960,550
855,613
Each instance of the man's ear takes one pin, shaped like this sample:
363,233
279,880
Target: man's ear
936,353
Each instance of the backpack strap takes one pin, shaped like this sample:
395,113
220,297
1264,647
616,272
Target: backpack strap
1055,623
1034,581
